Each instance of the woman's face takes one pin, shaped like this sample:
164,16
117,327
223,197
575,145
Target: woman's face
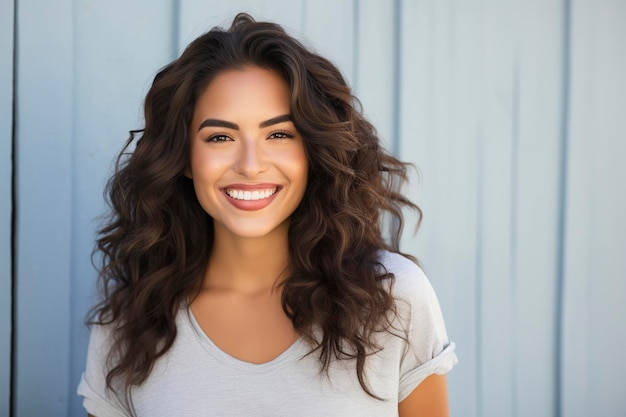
248,163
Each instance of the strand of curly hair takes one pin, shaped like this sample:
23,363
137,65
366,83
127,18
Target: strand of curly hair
156,242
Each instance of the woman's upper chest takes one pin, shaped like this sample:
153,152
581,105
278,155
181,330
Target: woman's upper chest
250,327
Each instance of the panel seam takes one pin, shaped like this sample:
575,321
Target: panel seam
514,293
562,211
13,244
479,275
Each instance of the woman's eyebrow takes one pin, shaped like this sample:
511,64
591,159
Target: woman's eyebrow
234,126
217,123
275,120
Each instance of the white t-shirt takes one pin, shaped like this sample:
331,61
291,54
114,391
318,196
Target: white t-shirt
196,378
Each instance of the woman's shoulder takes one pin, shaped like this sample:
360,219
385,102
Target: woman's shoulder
101,337
415,298
408,278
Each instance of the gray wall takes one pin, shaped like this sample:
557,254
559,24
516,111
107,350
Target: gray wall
512,110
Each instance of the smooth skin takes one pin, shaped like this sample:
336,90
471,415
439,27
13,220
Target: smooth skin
243,138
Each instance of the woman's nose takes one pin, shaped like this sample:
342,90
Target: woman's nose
251,159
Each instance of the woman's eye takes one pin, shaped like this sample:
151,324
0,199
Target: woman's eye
218,138
281,135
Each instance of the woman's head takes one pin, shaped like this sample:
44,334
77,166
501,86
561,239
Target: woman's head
247,160
321,106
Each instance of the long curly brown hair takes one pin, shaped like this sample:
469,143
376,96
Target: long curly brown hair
155,245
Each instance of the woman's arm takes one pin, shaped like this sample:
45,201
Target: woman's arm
428,399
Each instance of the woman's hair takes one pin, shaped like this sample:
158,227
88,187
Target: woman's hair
156,242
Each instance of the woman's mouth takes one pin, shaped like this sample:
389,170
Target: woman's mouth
250,195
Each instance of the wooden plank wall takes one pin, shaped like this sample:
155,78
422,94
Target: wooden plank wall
512,111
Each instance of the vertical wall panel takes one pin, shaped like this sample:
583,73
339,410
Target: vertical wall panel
440,112
594,310
6,152
44,203
118,47
536,202
497,148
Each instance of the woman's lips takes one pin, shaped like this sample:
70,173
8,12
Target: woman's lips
251,196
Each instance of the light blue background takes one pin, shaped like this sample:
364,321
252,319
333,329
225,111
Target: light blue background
513,110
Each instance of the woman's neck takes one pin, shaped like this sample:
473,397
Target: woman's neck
247,265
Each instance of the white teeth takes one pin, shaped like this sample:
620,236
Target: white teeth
250,195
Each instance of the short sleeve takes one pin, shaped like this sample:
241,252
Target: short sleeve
99,400
428,350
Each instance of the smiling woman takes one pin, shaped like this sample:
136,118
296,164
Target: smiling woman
244,269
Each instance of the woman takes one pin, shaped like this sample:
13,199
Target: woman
244,271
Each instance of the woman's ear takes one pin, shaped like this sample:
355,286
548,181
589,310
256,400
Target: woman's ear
187,172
